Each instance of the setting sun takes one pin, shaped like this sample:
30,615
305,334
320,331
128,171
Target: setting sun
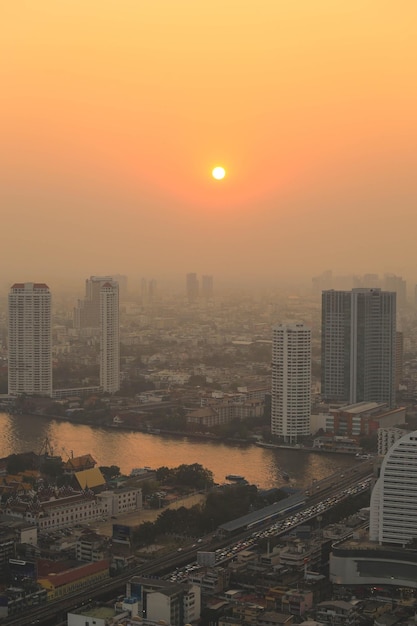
218,173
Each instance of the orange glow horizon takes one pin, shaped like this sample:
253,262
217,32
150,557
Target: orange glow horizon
117,115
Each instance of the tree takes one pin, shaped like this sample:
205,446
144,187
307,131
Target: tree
55,408
52,468
110,472
144,534
196,380
165,474
148,487
17,463
227,504
195,476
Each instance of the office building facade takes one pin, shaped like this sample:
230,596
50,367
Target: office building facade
358,346
30,339
291,382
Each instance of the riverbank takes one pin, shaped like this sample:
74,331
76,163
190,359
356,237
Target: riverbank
130,449
313,449
199,436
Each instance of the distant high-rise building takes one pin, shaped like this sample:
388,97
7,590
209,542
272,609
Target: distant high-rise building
371,281
358,346
148,290
192,286
30,339
144,289
121,280
291,381
152,289
109,337
87,312
397,284
365,280
207,287
393,511
323,281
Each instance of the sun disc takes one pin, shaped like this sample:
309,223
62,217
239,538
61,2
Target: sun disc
218,173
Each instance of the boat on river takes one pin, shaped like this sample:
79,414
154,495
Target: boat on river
235,478
265,444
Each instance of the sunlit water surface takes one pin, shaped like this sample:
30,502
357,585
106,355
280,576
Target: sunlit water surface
126,449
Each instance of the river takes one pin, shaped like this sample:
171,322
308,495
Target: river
126,449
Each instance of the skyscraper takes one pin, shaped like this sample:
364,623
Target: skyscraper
191,285
109,337
358,346
393,513
291,382
87,313
30,339
397,284
207,287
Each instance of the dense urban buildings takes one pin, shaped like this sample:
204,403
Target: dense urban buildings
388,282
291,381
359,346
30,339
109,337
363,419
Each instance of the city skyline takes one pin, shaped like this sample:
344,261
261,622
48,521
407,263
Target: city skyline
114,117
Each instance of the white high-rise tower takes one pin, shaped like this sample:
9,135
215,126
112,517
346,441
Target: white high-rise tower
393,512
291,381
109,337
30,339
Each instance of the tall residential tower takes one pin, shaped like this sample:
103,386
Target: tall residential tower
358,346
291,382
109,337
30,339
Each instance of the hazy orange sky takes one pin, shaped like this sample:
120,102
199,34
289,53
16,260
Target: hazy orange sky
114,112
